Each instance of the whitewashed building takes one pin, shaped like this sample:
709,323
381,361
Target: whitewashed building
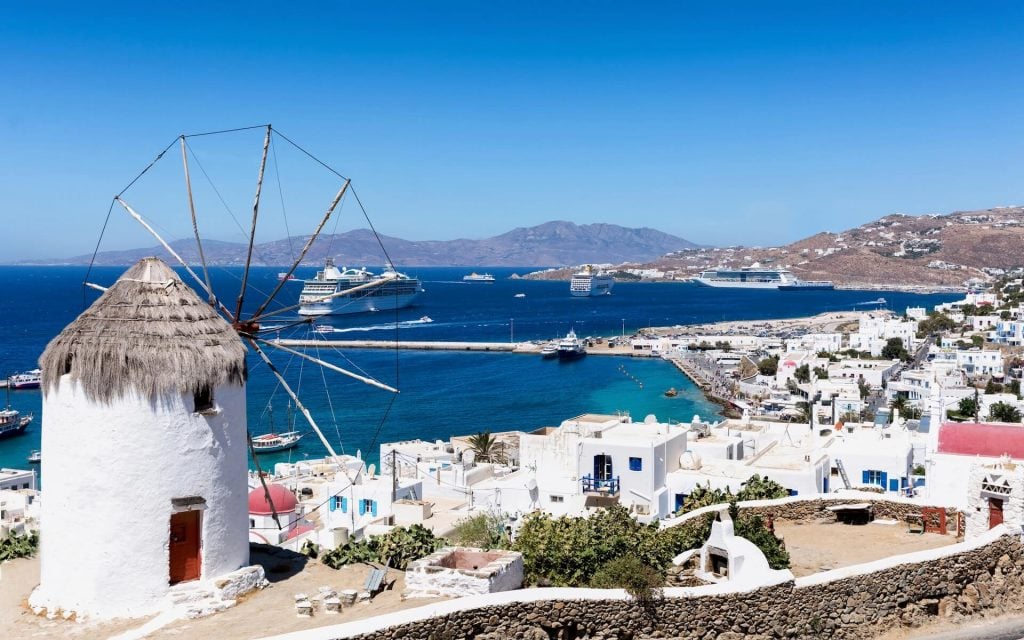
875,329
17,479
144,449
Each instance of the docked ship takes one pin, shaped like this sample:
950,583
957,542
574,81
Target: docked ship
570,347
343,291
588,282
757,277
478,277
28,380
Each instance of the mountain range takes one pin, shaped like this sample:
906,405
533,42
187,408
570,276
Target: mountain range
551,243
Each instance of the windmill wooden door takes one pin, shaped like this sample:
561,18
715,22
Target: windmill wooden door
995,512
185,558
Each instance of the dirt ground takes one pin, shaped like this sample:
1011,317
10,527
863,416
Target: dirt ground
815,547
262,613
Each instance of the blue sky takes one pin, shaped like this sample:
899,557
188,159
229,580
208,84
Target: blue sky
724,123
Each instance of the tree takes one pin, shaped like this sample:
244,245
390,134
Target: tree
894,350
968,407
863,386
485,447
821,373
802,373
934,323
768,366
642,582
1003,412
899,403
1014,387
993,387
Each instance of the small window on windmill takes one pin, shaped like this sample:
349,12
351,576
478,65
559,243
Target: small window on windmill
203,399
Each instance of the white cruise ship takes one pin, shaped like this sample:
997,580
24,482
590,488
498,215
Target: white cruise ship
478,277
388,290
590,283
752,277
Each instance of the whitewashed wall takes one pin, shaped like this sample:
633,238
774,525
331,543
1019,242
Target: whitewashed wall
111,473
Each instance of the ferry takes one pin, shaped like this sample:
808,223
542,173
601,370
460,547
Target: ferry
28,380
758,277
328,292
588,282
570,347
270,442
478,277
808,285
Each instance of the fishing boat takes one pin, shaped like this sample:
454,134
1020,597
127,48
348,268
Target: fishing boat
270,442
570,347
478,277
12,423
27,380
35,457
671,392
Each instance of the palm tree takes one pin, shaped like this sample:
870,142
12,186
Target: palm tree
899,403
484,446
1003,412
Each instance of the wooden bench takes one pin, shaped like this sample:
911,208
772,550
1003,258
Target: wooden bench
375,581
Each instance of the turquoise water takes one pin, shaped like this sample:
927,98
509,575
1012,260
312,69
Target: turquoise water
442,393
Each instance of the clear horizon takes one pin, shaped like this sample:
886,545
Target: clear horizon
746,125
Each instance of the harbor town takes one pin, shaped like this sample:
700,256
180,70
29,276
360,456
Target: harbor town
897,433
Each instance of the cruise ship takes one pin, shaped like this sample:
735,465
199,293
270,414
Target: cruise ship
590,283
387,290
757,277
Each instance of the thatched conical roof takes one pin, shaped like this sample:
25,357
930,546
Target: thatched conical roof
148,332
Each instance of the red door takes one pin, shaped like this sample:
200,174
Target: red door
995,512
185,559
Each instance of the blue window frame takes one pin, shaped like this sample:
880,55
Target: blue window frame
680,498
636,464
874,476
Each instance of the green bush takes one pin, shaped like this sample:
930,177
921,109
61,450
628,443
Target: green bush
396,548
642,582
484,530
19,546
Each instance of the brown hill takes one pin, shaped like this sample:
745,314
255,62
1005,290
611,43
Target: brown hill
896,250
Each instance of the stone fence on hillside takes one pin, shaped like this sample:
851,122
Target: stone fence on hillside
815,509
983,577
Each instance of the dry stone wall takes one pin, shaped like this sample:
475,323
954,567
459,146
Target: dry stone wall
977,581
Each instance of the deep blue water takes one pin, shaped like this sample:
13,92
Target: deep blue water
442,393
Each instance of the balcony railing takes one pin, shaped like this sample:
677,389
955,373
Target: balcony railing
601,487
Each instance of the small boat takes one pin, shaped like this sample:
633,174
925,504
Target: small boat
671,393
550,350
284,276
27,380
35,457
478,277
270,442
323,328
570,347
12,423
519,295
426,319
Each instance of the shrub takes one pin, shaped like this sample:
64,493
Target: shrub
484,530
396,548
19,546
642,582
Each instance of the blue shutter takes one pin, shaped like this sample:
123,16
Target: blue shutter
344,504
894,485
362,507
373,508
885,479
334,503
864,477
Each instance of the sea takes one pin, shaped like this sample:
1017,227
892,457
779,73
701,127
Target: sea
441,393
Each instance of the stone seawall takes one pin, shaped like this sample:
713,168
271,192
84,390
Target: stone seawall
855,602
